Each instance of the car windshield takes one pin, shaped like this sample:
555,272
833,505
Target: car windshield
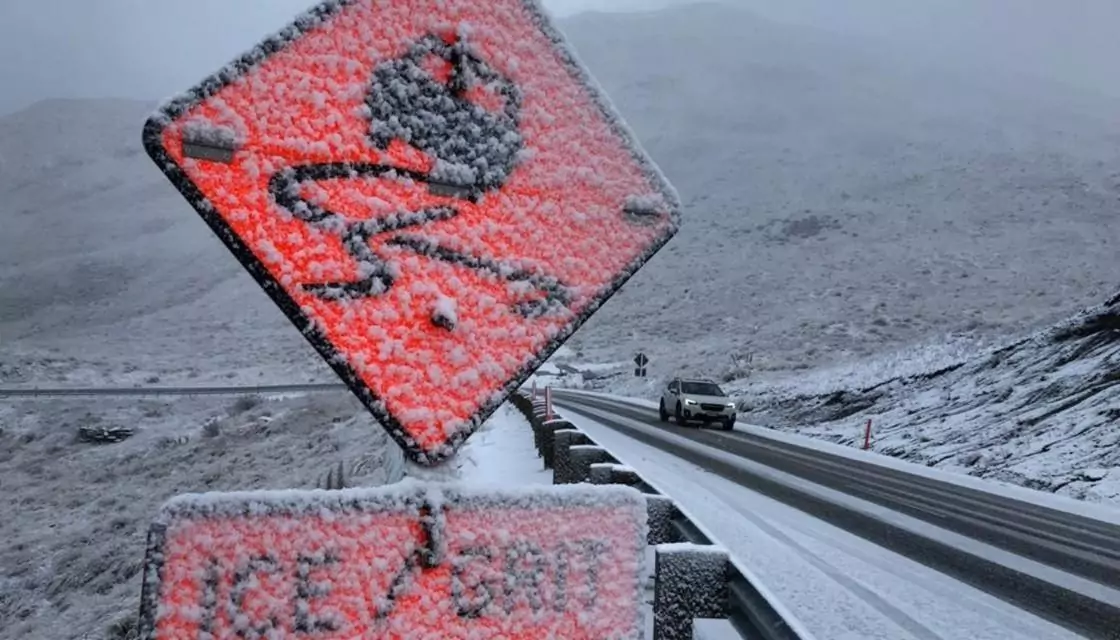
701,388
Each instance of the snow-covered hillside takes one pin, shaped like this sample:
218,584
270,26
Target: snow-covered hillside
840,202
1042,411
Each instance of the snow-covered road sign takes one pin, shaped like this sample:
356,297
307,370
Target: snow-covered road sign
641,361
416,561
435,192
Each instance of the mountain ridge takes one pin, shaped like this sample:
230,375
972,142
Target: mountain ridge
837,205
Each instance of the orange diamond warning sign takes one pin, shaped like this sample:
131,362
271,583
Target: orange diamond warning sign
414,562
434,191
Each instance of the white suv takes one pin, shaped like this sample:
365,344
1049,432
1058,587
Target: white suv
692,399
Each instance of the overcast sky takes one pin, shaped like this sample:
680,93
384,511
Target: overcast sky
152,48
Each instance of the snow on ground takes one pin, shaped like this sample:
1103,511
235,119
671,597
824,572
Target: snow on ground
1040,411
840,586
76,514
500,453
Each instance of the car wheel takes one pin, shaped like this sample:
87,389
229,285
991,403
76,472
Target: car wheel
678,415
729,424
661,412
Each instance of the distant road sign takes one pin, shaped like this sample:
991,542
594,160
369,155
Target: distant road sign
436,562
425,189
641,360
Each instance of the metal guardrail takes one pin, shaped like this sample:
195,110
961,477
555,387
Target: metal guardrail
693,579
1060,566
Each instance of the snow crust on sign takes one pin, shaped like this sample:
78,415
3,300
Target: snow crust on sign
407,491
415,560
268,502
424,187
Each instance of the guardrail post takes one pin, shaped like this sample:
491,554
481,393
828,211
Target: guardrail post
581,457
690,581
613,473
547,435
661,511
536,420
561,458
538,410
522,403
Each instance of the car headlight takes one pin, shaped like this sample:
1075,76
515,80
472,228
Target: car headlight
687,401
730,405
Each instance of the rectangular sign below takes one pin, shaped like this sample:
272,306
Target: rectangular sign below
415,561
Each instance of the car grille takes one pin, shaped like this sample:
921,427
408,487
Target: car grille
712,407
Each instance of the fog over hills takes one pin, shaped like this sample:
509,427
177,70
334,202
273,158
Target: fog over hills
840,201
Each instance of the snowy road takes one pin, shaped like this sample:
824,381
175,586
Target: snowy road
840,584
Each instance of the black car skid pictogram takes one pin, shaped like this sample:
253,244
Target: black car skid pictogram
473,149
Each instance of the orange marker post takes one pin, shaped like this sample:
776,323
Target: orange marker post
548,403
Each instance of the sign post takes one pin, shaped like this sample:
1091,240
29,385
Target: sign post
423,561
640,361
407,181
